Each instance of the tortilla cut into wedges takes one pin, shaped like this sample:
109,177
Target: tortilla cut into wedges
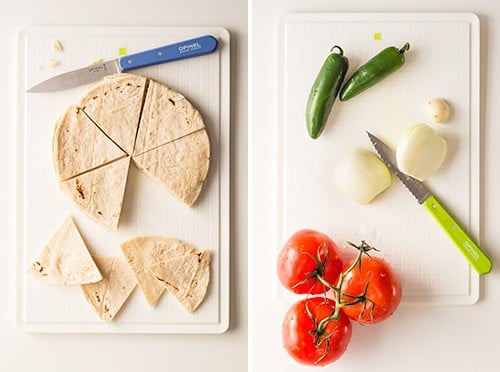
181,166
65,258
78,145
186,277
143,252
108,296
99,193
167,115
114,105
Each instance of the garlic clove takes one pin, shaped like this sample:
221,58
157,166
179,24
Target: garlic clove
438,109
57,46
51,62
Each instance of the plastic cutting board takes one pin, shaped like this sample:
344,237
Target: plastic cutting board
443,61
148,209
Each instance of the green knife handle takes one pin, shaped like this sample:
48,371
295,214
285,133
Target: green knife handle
479,261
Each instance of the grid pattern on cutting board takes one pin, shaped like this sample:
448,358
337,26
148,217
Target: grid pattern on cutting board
147,209
440,63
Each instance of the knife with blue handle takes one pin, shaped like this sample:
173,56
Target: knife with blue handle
469,249
185,49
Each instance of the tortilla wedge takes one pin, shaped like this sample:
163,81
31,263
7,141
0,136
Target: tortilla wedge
167,115
114,105
143,252
99,193
186,277
78,145
181,166
65,258
108,296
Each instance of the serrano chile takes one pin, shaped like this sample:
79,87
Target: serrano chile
377,68
324,91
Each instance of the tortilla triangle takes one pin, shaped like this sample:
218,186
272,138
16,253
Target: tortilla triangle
142,252
108,296
65,259
114,105
167,115
78,145
186,277
99,193
180,166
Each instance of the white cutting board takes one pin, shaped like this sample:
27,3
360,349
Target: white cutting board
148,209
443,61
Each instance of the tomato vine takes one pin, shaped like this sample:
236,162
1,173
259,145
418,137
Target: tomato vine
363,248
317,329
320,263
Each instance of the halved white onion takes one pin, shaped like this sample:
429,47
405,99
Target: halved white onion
361,176
421,151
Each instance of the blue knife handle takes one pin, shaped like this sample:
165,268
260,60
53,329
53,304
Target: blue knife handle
185,49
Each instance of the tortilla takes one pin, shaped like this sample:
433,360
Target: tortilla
94,137
180,166
114,105
78,145
65,259
186,277
167,115
108,296
143,252
99,193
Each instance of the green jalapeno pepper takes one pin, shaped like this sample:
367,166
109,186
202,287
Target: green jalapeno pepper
377,68
324,91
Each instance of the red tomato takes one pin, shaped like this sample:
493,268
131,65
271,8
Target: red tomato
305,256
382,286
309,337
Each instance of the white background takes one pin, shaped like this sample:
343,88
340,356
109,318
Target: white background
28,352
460,338
417,338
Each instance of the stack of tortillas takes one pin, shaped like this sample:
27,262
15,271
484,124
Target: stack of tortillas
165,263
126,117
106,282
155,263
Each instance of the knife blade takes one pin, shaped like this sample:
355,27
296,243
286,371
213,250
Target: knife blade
185,49
469,249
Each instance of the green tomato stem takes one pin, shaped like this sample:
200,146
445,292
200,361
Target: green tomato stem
363,248
319,328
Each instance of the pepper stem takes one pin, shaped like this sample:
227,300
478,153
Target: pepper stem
340,51
404,48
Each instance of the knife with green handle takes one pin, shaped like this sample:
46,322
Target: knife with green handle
471,251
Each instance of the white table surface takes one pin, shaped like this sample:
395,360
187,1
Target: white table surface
417,338
122,352
461,338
